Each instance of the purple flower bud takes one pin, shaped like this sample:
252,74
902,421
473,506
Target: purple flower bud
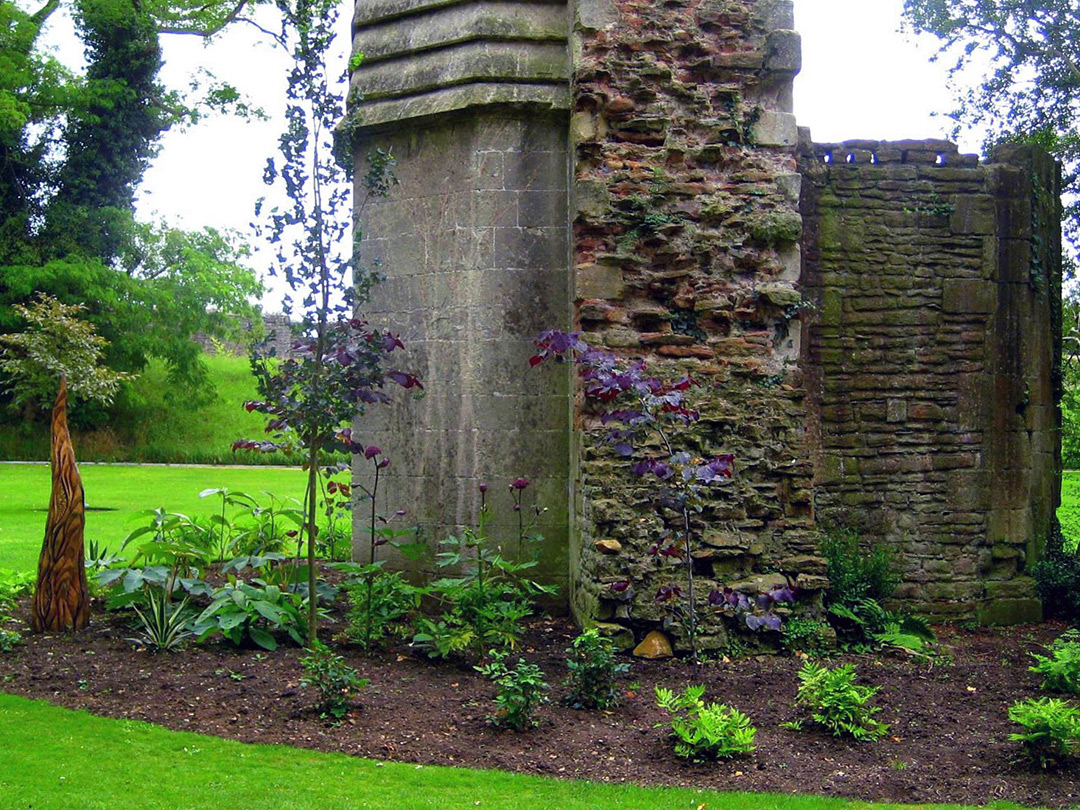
519,483
483,488
400,513
372,451
383,464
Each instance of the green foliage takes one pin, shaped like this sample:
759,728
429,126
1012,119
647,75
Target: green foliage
1060,669
521,691
1057,579
1051,730
164,623
9,638
593,669
334,681
240,612
857,571
1014,64
485,605
379,607
13,586
56,343
837,703
803,634
705,731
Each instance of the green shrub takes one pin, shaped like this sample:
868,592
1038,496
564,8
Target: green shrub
13,586
857,571
803,634
521,691
383,610
1061,669
1057,579
593,670
705,731
1051,730
837,703
334,681
8,638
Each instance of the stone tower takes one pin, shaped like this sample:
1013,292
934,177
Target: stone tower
874,322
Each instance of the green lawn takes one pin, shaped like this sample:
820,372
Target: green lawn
1069,513
115,493
150,428
56,758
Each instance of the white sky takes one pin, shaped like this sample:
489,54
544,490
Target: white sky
861,78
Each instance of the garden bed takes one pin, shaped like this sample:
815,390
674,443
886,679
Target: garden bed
948,741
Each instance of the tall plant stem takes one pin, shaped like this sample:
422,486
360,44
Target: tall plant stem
371,561
692,609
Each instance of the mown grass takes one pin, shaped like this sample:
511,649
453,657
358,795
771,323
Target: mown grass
114,494
152,428
1069,511
62,759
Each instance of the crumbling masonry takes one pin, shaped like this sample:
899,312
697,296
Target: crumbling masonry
877,323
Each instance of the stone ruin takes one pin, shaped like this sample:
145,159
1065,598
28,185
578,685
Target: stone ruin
878,323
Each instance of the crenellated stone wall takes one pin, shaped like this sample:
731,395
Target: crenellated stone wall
932,350
876,333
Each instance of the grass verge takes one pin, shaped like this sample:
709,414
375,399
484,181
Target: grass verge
57,758
114,494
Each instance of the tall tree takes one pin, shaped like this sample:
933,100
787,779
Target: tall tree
1016,65
73,150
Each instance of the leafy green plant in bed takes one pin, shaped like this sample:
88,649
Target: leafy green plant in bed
1050,730
164,624
593,670
1061,668
521,691
838,704
485,605
240,612
334,682
705,731
14,585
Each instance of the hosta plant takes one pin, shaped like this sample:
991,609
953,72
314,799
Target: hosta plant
593,671
705,731
1061,668
241,612
837,703
1051,730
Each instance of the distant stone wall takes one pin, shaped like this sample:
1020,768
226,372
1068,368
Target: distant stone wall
931,355
277,329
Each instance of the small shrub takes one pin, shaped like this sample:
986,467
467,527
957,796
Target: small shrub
705,731
8,638
380,608
1051,730
837,703
334,681
13,586
521,692
802,634
164,624
1061,669
240,612
593,670
1057,580
857,571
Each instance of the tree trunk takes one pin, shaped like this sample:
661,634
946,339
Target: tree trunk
62,600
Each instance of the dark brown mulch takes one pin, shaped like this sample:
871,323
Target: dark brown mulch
948,742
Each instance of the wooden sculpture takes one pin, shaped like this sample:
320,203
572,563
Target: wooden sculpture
62,600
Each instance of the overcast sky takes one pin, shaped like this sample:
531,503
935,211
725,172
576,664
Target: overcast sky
861,78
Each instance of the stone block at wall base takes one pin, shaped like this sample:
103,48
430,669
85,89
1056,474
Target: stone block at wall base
1010,611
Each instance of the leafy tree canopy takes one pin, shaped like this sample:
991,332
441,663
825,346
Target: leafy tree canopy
1019,62
55,344
73,150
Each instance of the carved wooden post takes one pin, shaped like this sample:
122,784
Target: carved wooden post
62,600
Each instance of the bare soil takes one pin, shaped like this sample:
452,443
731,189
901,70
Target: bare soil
948,740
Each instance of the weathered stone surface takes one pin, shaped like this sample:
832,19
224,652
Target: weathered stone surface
621,637
655,645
